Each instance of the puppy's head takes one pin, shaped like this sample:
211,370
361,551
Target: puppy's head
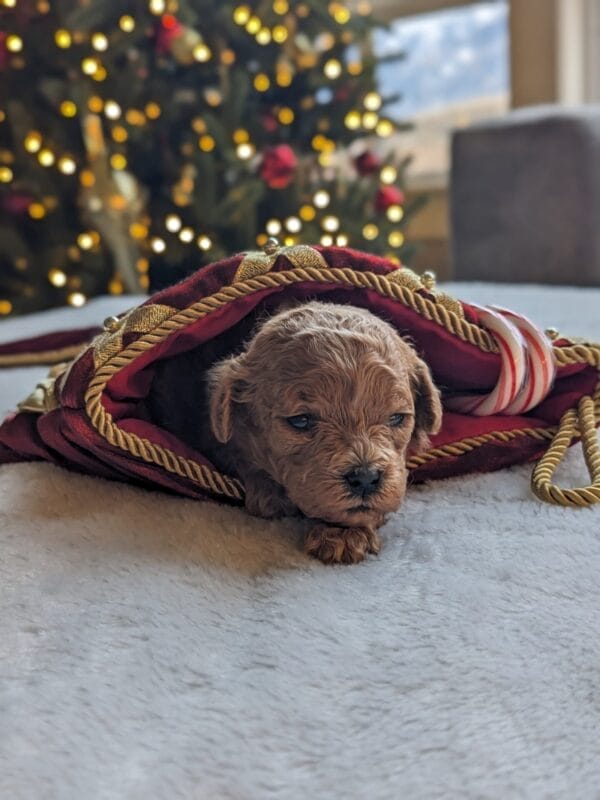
328,400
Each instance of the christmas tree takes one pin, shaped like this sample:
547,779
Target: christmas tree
141,140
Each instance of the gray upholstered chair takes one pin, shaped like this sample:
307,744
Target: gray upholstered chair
525,197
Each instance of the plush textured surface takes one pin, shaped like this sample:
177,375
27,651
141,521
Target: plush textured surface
154,647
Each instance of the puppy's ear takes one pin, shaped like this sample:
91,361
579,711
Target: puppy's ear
428,407
225,384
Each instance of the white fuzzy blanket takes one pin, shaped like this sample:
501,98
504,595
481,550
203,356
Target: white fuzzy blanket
154,647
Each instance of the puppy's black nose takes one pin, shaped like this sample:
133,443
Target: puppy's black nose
363,480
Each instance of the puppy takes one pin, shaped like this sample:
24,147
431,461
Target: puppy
317,415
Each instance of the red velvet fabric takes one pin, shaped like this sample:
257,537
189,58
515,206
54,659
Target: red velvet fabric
67,437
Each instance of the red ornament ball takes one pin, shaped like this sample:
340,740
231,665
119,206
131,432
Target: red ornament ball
367,163
167,31
387,196
278,166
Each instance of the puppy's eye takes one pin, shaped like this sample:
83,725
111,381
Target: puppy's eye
396,420
301,422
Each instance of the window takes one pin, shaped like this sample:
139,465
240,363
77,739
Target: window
454,72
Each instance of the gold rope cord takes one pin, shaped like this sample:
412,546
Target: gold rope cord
221,484
42,358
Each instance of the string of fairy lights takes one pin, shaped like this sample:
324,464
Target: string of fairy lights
153,235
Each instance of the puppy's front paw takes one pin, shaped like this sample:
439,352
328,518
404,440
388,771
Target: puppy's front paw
341,545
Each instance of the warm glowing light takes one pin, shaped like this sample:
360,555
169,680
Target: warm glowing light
142,265
152,110
332,69
330,224
5,307
100,74
157,6
63,38
253,25
396,239
68,108
86,178
339,12
198,125
118,161
372,101
6,174
321,199
89,66
289,241
388,174
13,43
173,223
85,241
127,23
285,116
245,151
370,120
46,157
186,235
119,134
354,67
364,8
273,227
370,231
261,82
261,239
57,277
206,143
99,42
263,36
95,104
293,224
112,109
115,286
240,136
327,240
307,213
33,142
227,57
395,213
158,245
352,120
204,243
284,76
77,299
241,15
135,117
384,128
36,211
67,165
280,34
138,230
281,7
10,3
341,240
202,52
213,97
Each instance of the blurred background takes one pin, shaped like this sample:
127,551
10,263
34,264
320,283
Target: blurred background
142,139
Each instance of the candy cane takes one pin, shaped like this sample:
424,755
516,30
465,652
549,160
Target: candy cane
541,369
513,369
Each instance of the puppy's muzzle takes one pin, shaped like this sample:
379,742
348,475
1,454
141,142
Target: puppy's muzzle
363,481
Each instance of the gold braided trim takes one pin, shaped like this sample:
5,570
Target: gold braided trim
42,357
217,483
576,422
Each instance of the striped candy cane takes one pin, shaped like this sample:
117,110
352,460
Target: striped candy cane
527,367
513,369
541,367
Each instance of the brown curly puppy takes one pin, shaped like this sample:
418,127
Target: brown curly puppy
317,415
